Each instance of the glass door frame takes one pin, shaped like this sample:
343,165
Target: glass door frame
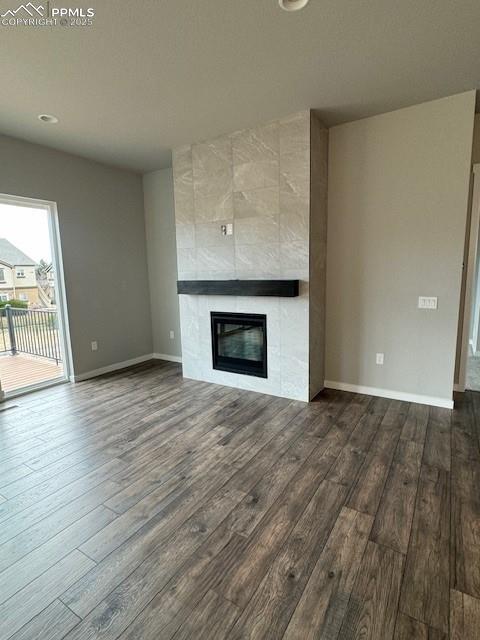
51,209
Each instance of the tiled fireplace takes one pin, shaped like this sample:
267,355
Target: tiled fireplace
269,186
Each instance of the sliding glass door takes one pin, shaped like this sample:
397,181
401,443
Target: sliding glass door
34,338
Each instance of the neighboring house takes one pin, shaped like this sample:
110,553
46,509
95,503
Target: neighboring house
17,274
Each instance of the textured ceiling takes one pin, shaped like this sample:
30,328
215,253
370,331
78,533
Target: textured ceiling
153,74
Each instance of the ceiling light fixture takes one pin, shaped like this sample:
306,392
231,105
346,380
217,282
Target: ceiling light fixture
48,119
293,5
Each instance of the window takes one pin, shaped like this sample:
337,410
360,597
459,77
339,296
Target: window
4,297
20,273
23,296
2,275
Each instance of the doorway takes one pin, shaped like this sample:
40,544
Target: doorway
469,369
34,338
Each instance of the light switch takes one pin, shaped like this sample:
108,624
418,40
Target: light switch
94,345
379,358
227,229
427,302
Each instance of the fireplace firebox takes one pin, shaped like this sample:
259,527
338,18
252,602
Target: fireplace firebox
239,343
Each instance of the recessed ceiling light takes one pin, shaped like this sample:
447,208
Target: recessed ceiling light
47,118
293,5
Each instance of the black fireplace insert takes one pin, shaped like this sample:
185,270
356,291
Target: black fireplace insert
239,343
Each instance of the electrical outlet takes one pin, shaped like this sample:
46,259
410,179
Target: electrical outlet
379,358
172,335
94,345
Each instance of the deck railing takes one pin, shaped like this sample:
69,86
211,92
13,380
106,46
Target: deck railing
32,331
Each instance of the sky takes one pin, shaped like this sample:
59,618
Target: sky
27,229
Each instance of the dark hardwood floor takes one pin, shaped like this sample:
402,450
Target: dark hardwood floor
142,506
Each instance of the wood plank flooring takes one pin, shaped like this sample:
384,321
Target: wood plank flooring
142,506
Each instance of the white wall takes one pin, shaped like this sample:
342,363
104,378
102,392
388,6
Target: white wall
398,191
102,228
162,261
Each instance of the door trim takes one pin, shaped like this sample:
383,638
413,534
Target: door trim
473,249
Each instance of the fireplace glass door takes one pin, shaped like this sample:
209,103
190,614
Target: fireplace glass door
239,343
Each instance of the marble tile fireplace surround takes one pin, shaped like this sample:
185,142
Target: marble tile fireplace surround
268,186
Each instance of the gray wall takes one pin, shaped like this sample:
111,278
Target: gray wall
162,261
103,242
398,191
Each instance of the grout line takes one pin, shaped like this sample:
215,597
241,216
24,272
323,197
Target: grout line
86,554
71,610
50,538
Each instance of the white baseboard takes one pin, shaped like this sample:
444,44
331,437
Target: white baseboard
329,384
123,365
111,367
388,393
165,356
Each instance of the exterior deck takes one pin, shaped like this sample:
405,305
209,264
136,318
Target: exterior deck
23,370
